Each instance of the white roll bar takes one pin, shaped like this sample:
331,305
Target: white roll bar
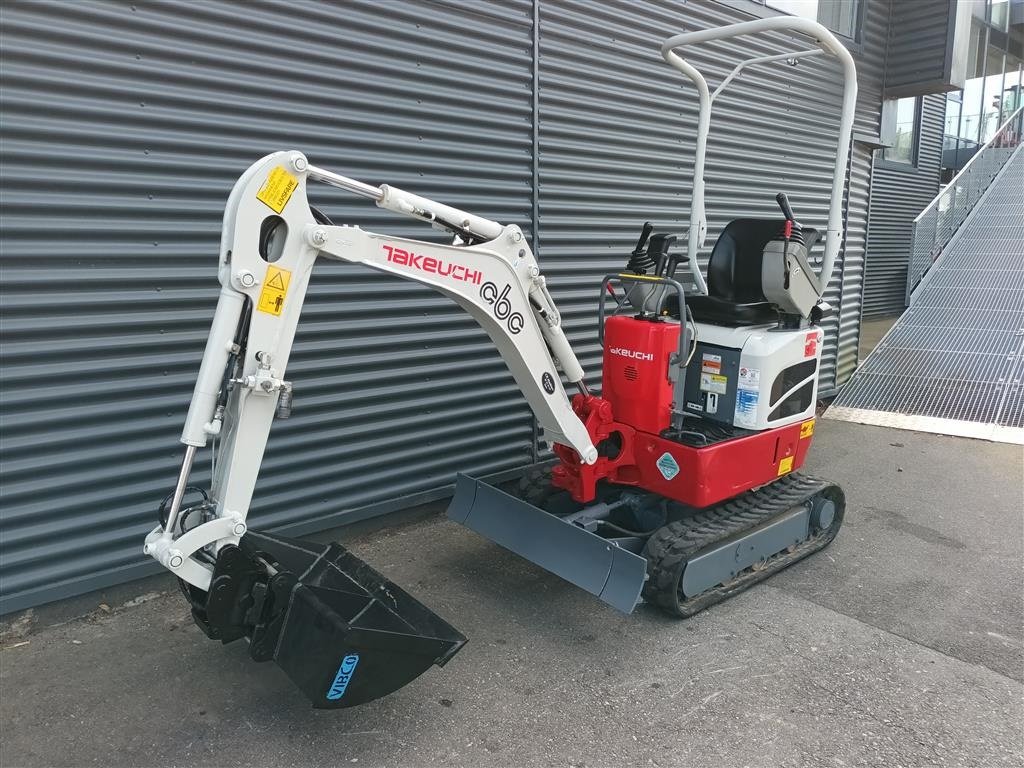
827,43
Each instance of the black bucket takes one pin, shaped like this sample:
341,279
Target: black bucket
342,632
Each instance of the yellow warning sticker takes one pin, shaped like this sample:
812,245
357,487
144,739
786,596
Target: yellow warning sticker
277,189
786,465
807,429
713,382
275,288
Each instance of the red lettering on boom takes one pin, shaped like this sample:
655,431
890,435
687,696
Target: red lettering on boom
433,266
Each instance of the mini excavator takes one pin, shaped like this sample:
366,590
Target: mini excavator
677,486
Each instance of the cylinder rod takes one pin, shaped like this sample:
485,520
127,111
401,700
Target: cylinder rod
179,489
344,182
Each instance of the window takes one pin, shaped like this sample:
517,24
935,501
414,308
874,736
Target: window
841,16
899,121
999,13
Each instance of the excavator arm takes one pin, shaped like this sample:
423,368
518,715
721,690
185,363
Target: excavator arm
342,632
270,243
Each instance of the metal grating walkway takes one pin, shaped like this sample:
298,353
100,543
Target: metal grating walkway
954,362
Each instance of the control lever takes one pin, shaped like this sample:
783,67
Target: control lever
787,211
644,234
673,263
659,269
658,251
787,234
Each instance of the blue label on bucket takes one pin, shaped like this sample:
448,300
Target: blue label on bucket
341,680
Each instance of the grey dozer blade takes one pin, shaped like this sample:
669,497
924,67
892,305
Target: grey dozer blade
598,565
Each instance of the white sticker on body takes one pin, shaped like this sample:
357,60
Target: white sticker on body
746,408
750,378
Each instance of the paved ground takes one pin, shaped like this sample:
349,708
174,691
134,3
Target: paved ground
871,332
900,645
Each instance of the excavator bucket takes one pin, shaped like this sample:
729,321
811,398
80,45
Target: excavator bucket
342,632
598,565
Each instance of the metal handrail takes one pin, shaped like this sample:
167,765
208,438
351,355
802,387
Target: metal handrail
942,218
968,164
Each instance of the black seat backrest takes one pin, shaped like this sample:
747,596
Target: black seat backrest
734,271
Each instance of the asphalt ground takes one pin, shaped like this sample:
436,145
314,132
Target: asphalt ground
902,644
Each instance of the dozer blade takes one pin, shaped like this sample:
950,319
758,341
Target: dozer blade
342,632
585,559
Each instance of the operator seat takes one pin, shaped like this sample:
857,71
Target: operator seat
735,296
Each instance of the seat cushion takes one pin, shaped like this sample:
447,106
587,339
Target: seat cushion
711,309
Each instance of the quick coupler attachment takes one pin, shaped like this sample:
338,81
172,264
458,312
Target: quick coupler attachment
342,632
602,566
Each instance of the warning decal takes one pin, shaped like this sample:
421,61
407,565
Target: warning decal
277,189
786,465
711,363
711,382
750,378
807,429
275,288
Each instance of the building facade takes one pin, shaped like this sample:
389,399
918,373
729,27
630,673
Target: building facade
931,137
126,124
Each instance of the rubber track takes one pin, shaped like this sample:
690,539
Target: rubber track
672,546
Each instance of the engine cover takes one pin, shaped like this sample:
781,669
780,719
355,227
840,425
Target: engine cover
635,375
754,378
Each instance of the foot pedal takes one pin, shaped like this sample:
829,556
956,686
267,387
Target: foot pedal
591,562
342,632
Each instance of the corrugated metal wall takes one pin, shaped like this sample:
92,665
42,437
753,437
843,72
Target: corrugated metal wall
845,292
125,126
870,58
919,46
899,194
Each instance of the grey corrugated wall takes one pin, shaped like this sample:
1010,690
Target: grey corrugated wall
124,127
918,46
846,289
898,195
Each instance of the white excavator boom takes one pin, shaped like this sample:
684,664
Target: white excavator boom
270,241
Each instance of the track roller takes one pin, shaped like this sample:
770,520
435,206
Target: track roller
701,560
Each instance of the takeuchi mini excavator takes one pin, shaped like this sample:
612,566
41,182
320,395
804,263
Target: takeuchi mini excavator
676,486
